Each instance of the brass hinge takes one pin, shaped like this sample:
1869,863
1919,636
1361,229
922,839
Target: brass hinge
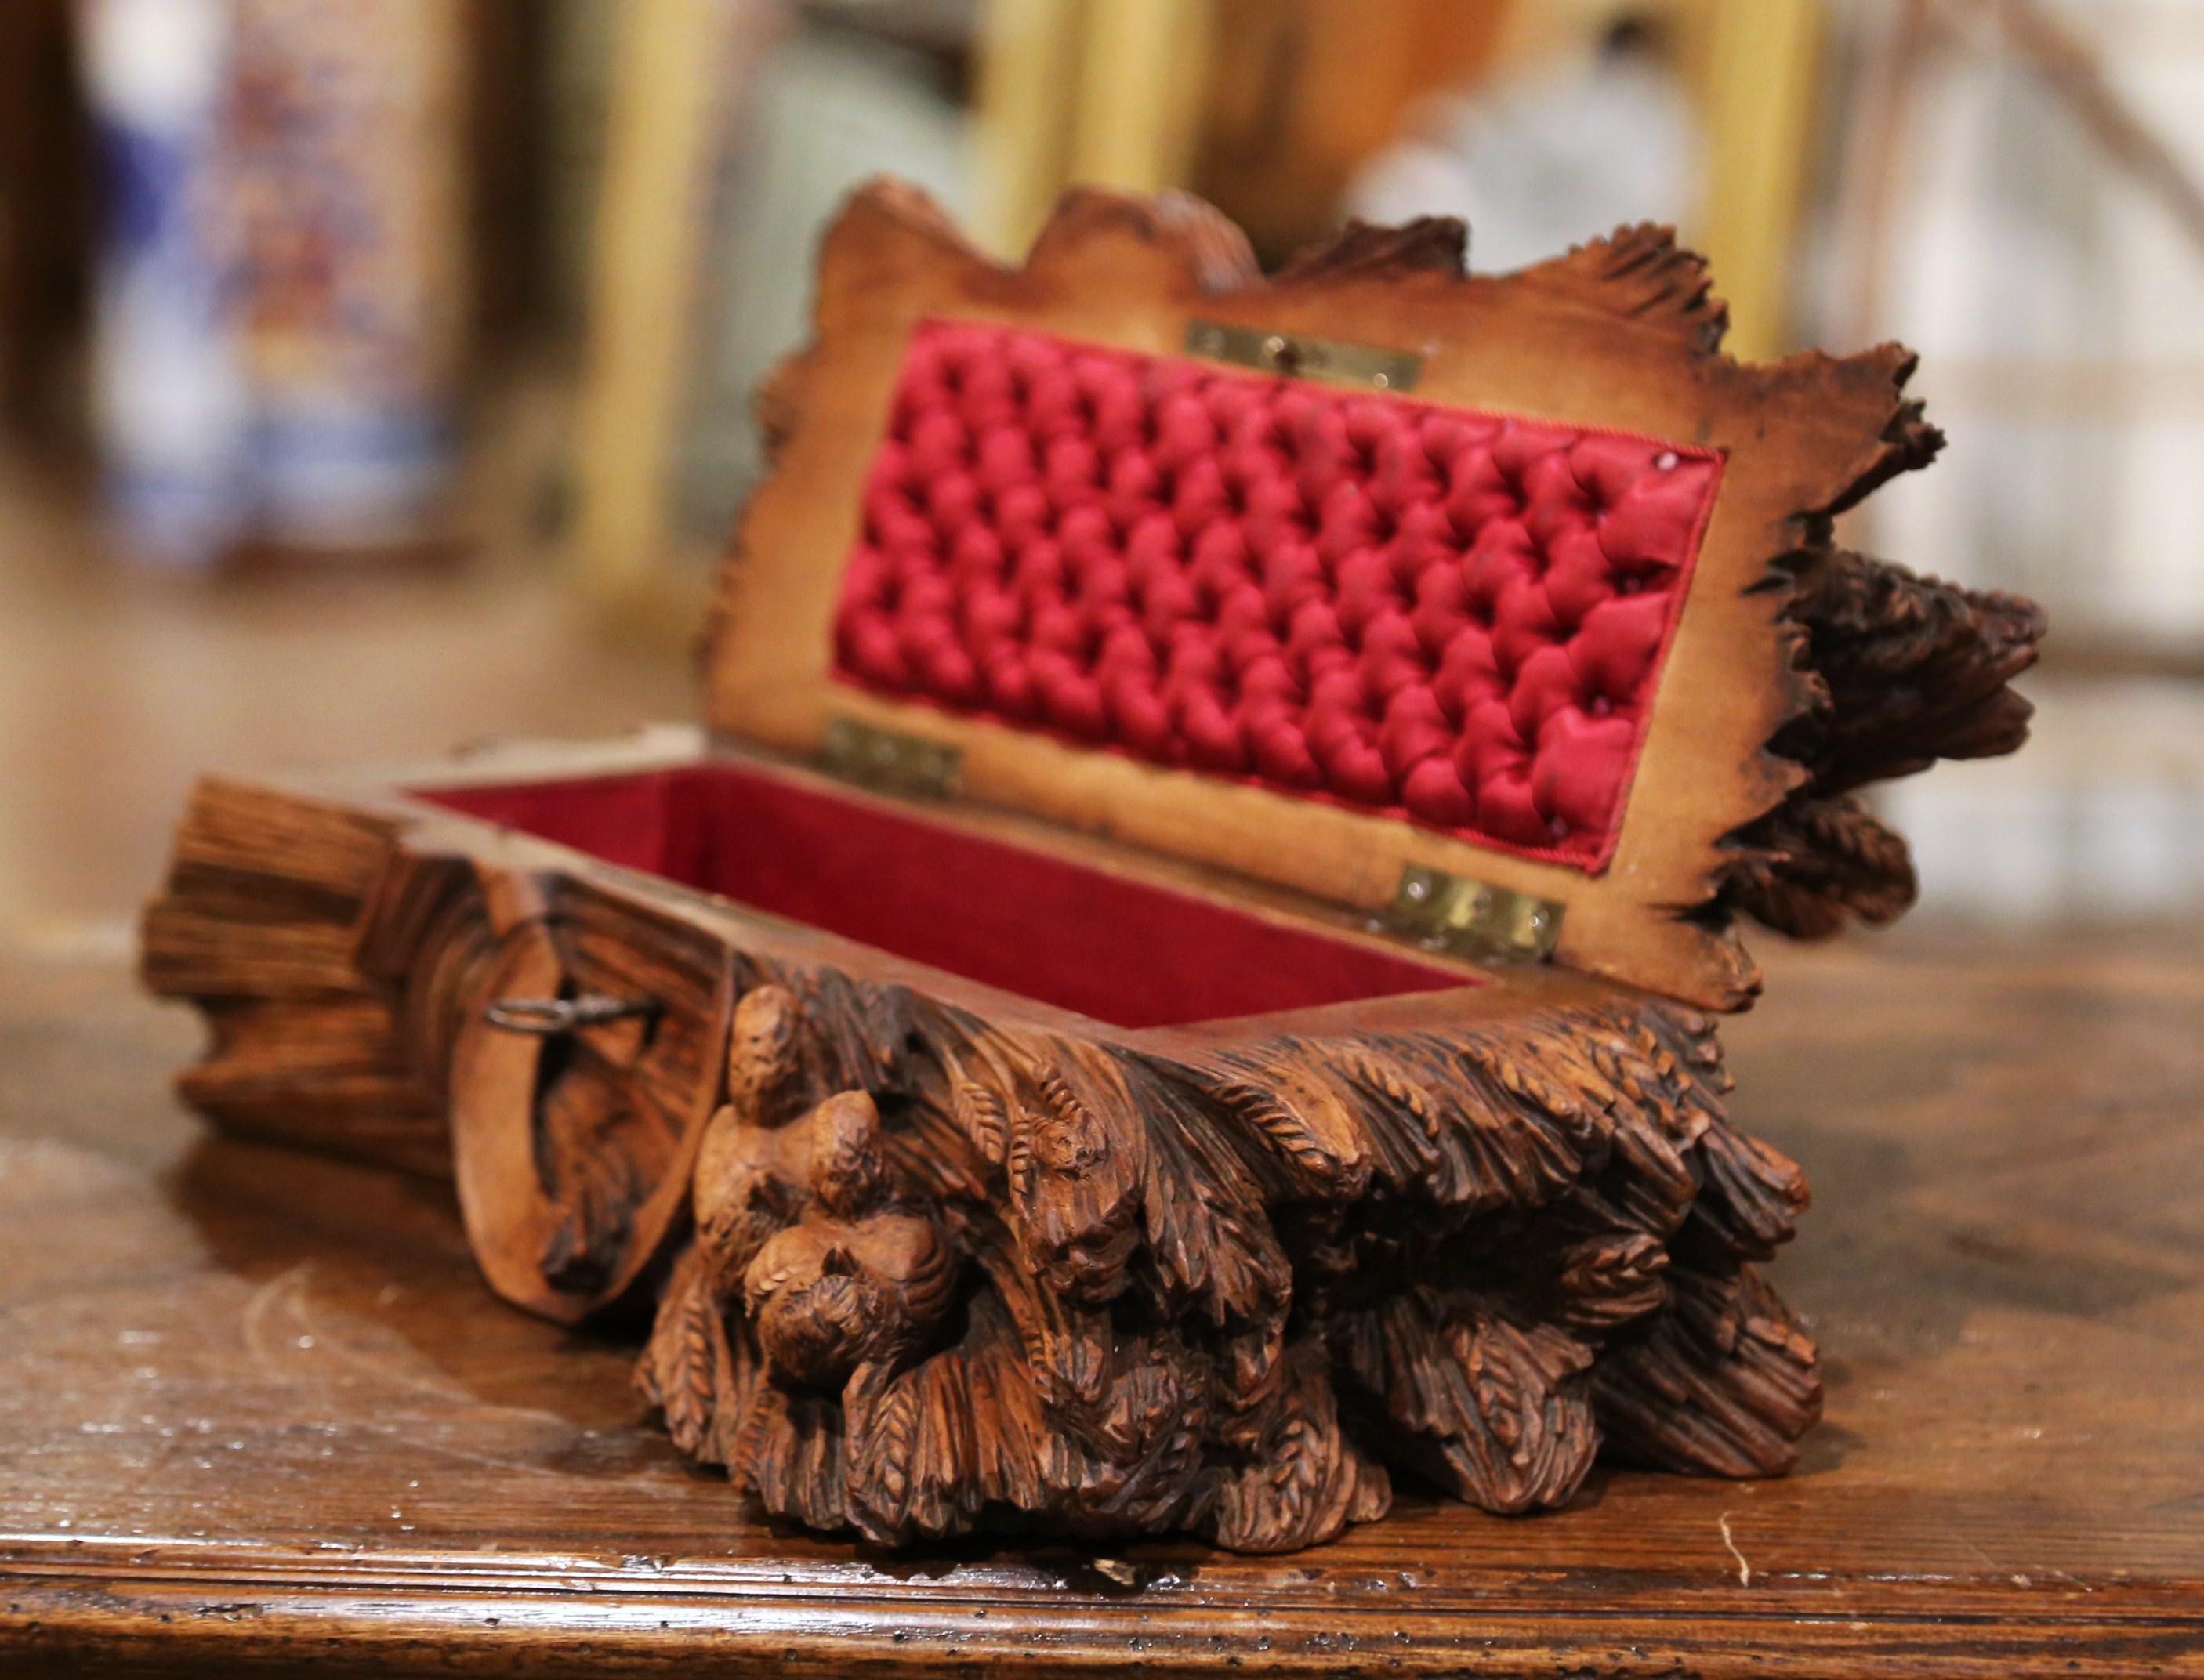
1470,918
888,762
1430,909
1302,358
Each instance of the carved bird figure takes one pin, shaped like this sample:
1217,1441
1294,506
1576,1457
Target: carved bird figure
764,1068
1074,1192
855,1281
752,1167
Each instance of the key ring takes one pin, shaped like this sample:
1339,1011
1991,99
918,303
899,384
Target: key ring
548,1017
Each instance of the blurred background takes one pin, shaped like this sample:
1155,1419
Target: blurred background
374,374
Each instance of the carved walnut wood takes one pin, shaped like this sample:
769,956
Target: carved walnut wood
929,1258
1902,671
948,1262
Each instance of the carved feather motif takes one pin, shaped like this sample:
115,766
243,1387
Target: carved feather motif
1899,671
1574,1161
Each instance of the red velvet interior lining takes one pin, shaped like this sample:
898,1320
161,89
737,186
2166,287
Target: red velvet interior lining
1117,950
1451,616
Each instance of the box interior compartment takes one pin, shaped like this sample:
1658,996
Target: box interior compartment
1132,953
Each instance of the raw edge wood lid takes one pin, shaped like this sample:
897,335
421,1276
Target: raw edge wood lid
1373,578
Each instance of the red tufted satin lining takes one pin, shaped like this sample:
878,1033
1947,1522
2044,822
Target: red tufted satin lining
1111,947
1443,614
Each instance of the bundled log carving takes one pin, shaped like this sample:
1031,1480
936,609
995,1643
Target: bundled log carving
923,1270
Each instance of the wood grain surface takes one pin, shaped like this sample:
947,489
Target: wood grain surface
257,1409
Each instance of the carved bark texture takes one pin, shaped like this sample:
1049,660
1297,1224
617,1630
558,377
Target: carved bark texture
942,1273
1899,671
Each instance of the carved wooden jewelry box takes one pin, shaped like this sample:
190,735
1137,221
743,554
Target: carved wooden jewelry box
1178,980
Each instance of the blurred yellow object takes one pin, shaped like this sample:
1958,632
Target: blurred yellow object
642,272
1143,67
1114,92
1027,60
1761,71
1103,91
1754,69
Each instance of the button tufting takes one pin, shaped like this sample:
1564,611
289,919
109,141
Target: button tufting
1445,614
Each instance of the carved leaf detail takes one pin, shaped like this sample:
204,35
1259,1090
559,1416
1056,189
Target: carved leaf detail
911,1472
1075,1173
1610,1281
1720,1382
1291,1138
1066,1348
1811,863
1654,280
981,1116
1307,1481
1751,1195
1012,1455
1215,1249
1896,670
1209,1254
684,1365
1497,1412
1508,1144
1433,244
789,1452
1402,1119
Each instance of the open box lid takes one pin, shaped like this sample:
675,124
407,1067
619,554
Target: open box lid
1503,608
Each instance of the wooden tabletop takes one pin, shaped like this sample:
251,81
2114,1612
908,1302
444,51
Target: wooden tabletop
256,1407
